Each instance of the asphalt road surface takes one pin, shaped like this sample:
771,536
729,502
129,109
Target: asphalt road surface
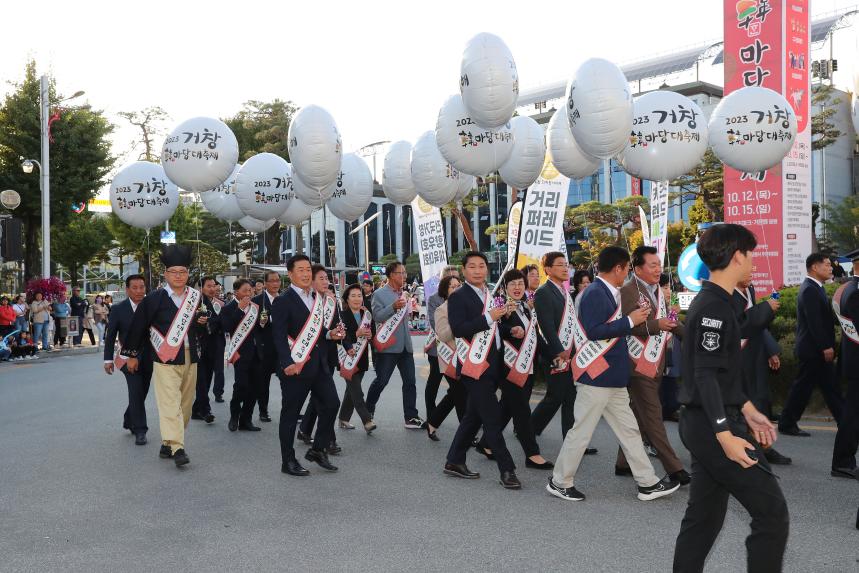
76,494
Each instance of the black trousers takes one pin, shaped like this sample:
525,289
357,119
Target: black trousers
456,398
714,479
353,400
134,418
206,368
847,438
242,402
218,386
813,372
263,369
323,394
668,395
483,410
433,382
515,405
560,393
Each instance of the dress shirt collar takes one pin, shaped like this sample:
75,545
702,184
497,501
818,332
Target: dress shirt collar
560,287
304,294
480,292
612,289
820,284
176,298
133,306
270,297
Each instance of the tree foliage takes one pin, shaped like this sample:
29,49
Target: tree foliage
705,183
79,242
842,223
150,122
597,216
823,131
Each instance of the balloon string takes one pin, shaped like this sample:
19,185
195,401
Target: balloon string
199,247
764,238
148,260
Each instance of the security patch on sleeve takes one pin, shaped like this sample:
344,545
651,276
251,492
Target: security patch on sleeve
710,340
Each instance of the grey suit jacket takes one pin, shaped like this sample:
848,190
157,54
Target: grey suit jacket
383,309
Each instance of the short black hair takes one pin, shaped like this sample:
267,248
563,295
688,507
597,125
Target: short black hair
610,257
290,262
513,275
367,282
316,268
717,245
269,273
349,289
391,267
664,279
638,254
238,283
257,282
444,286
549,258
526,270
471,255
130,278
813,259
206,279
579,275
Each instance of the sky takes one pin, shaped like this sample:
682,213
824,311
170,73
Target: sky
382,69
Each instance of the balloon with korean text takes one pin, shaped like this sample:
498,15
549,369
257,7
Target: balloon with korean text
255,225
142,196
488,81
315,148
564,152
529,153
466,145
397,174
752,129
263,186
436,181
221,201
668,137
599,108
200,153
353,190
297,212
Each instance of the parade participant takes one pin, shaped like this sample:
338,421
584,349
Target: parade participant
845,303
299,335
212,342
648,344
434,378
259,286
602,368
717,417
668,387
167,320
532,278
240,318
393,344
815,348
581,280
473,320
519,335
352,365
456,397
118,325
266,363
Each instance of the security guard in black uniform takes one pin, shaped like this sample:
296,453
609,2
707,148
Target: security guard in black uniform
717,418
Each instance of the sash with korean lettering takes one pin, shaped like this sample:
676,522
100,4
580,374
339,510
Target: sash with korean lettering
847,327
167,347
473,354
217,304
242,331
749,304
447,358
328,316
302,347
646,352
590,354
349,364
431,340
119,360
566,334
521,361
385,330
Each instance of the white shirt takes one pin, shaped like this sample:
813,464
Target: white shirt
482,294
615,292
306,296
820,284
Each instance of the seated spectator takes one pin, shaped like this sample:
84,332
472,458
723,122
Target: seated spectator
5,343
25,348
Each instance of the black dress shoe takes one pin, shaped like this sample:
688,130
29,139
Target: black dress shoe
233,424
591,451
481,450
264,417
209,418
619,471
849,473
293,468
140,440
333,449
795,431
197,416
681,476
180,458
460,470
776,458
249,427
431,434
165,453
321,458
304,437
219,399
510,481
547,465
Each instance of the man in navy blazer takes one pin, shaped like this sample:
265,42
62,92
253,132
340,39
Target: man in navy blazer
266,362
118,324
815,348
601,386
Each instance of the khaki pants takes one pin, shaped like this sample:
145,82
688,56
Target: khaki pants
175,389
593,403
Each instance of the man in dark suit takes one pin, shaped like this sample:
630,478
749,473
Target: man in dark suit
846,300
473,322
815,348
212,344
266,363
303,365
234,316
79,306
118,323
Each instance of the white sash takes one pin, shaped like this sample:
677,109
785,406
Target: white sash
589,356
168,347
521,361
349,364
566,333
473,354
243,330
431,340
302,347
647,354
385,330
328,316
119,360
447,358
847,327
217,304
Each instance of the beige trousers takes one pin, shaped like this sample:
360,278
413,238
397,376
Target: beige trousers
593,403
175,390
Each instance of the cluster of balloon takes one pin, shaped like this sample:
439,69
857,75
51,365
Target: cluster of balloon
465,186
199,154
263,186
752,129
528,155
468,146
564,153
669,137
397,174
353,190
255,225
316,151
221,201
142,195
436,181
488,81
296,212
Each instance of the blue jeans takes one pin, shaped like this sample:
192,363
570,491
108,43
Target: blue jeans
385,364
20,325
41,330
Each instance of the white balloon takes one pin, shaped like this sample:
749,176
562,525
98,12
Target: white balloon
142,195
263,186
467,146
200,153
221,201
668,138
397,174
752,129
436,181
599,108
856,113
296,212
353,190
564,152
488,80
255,225
464,187
309,195
529,153
314,147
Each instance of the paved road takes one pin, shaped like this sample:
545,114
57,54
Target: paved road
77,495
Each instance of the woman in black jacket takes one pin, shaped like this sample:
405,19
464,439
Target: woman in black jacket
359,332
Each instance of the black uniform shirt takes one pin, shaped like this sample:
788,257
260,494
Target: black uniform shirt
712,366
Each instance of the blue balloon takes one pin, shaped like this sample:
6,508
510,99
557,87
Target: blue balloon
691,269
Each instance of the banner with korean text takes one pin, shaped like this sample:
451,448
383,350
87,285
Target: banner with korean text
431,248
659,218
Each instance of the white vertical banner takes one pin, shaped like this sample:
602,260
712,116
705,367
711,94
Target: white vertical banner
645,228
513,220
431,248
659,218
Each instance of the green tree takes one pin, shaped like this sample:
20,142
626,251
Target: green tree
80,158
842,224
499,230
79,242
463,210
823,131
705,183
699,213
591,247
150,122
597,216
413,265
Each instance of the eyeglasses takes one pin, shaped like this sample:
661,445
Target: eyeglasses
562,265
177,273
